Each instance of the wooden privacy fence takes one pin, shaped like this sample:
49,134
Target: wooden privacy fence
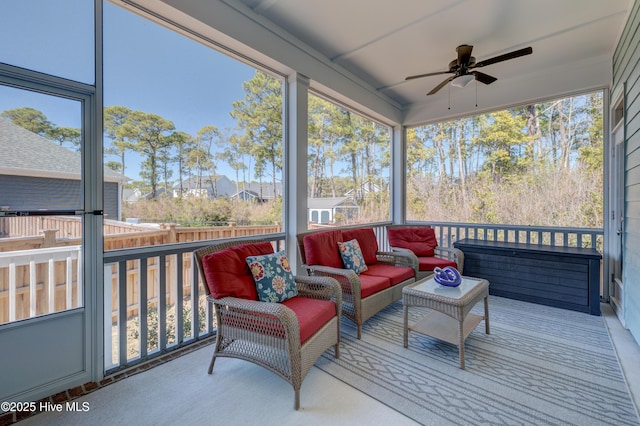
30,232
67,226
39,270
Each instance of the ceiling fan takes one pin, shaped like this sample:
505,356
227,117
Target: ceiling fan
464,67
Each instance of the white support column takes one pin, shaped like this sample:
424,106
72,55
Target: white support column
398,174
295,170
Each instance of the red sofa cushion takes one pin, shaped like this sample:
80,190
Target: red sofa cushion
312,314
321,248
228,274
420,240
367,240
428,263
256,249
371,284
396,274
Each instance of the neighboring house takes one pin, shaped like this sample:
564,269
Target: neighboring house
203,187
131,195
36,174
365,188
246,195
263,189
160,191
324,210
225,187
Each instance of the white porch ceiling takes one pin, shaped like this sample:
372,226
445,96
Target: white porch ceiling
380,42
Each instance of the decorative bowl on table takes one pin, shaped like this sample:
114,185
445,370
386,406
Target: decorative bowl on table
447,276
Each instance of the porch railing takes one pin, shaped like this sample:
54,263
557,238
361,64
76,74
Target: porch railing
39,281
450,232
155,301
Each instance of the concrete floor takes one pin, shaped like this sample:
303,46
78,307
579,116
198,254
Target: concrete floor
628,351
178,392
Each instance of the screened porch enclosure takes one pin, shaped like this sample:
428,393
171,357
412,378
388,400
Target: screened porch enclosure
287,132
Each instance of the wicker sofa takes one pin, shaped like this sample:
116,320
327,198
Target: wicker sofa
365,293
420,241
285,337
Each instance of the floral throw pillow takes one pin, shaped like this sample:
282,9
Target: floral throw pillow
273,277
352,256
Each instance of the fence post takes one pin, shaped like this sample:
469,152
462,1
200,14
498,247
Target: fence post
49,238
4,223
172,233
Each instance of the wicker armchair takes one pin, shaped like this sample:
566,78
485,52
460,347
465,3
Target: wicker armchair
420,241
359,301
269,334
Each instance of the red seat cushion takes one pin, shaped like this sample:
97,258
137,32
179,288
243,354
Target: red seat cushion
367,240
420,240
321,248
312,314
371,284
228,275
427,263
396,274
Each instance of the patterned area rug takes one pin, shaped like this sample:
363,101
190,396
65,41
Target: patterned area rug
540,365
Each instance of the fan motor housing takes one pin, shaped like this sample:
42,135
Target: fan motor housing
453,65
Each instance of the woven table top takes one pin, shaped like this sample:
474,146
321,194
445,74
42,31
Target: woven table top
428,289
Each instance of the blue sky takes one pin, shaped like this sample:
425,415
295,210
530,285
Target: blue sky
153,69
42,35
146,67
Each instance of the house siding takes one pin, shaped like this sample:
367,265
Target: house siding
626,76
32,193
111,200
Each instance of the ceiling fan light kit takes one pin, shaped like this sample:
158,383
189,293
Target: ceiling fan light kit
464,68
463,80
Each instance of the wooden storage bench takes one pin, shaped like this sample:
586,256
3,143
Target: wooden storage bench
564,277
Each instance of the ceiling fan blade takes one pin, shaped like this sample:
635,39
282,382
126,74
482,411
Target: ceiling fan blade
411,77
505,57
440,86
464,53
483,78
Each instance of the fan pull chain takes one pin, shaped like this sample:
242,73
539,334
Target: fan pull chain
449,96
476,93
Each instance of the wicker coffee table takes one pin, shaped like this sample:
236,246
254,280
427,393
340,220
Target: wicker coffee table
449,319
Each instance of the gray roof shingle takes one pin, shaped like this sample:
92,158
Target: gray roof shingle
25,153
